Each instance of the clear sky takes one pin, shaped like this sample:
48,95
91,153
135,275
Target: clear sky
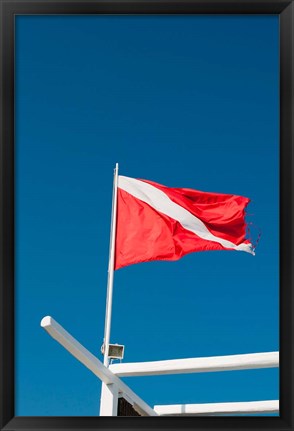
187,101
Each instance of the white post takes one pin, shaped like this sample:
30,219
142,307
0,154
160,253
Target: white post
110,269
109,400
109,393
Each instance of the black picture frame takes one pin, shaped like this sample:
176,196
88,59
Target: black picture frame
9,9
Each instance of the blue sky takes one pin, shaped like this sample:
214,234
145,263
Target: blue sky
186,101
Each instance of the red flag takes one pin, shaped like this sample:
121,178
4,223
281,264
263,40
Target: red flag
155,222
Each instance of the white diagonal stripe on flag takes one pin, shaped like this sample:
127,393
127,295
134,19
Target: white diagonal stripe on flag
158,200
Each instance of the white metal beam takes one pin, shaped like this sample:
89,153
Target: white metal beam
212,409
93,364
198,365
109,400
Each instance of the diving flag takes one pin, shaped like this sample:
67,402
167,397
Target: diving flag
155,222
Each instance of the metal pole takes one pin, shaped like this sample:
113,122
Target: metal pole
110,268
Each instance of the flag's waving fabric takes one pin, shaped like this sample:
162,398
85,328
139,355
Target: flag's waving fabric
155,222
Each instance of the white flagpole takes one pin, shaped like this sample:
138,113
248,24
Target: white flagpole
110,268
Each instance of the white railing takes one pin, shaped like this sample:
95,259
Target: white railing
113,387
214,409
114,384
198,365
